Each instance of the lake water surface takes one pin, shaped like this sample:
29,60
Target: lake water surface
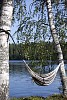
22,85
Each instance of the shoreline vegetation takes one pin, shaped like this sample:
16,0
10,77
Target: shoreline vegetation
53,97
35,51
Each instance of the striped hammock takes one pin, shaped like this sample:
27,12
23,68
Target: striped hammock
42,79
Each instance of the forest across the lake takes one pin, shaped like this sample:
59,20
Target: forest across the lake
36,51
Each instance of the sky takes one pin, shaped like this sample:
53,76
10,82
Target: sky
15,26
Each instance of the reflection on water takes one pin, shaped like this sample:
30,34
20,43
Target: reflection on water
22,85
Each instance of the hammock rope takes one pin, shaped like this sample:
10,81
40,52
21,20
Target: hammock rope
43,79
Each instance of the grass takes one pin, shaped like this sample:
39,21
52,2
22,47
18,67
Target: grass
54,97
29,98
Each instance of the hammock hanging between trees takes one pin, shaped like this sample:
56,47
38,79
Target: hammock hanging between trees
42,79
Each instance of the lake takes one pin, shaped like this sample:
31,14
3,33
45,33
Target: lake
22,85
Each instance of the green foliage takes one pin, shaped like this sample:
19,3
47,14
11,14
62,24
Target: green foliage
29,98
54,97
41,51
33,23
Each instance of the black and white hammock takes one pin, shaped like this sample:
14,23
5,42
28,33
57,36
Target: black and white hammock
42,79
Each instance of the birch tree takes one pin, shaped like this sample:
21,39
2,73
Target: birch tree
58,47
6,9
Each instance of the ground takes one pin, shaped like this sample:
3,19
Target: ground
54,97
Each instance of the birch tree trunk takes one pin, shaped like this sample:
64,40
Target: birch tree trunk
5,23
58,47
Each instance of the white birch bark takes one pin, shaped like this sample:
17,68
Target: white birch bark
57,45
5,23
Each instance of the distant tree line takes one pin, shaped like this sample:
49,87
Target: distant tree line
35,51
